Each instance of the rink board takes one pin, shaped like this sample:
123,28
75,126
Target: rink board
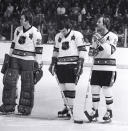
121,55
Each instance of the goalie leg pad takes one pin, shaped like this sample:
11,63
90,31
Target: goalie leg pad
9,91
27,93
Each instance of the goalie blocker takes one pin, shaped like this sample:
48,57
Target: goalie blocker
6,63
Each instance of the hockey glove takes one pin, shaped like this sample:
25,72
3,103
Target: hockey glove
91,51
98,38
79,69
52,65
95,52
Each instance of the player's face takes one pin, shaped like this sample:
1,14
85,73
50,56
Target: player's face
64,31
99,23
22,20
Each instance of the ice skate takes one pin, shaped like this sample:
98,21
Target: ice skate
24,110
107,117
93,116
64,113
7,109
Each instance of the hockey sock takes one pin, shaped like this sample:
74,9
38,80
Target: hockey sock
108,97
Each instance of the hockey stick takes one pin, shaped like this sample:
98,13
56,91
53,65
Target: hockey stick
77,79
87,96
65,100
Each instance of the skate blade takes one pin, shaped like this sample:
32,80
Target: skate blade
106,121
64,118
21,114
63,115
78,121
6,113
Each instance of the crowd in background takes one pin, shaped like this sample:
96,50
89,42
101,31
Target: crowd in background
83,15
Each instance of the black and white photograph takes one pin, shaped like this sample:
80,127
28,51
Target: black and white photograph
63,65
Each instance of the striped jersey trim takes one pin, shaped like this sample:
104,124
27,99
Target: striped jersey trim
68,59
104,61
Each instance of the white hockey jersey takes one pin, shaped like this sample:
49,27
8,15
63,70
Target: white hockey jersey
68,46
105,58
27,40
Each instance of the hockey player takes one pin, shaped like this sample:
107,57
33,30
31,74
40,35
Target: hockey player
104,67
24,59
67,62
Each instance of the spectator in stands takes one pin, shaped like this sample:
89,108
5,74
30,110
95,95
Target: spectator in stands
2,37
84,11
89,10
9,10
38,9
75,10
61,9
51,33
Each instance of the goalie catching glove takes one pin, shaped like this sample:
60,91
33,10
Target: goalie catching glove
38,73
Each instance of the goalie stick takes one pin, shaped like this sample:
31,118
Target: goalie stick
85,102
86,98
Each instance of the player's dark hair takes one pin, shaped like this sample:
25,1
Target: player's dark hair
64,23
28,16
106,21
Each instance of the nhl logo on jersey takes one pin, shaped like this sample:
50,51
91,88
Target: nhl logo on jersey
59,40
73,37
17,33
39,42
22,40
65,45
30,36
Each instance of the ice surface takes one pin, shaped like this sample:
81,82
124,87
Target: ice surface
48,101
